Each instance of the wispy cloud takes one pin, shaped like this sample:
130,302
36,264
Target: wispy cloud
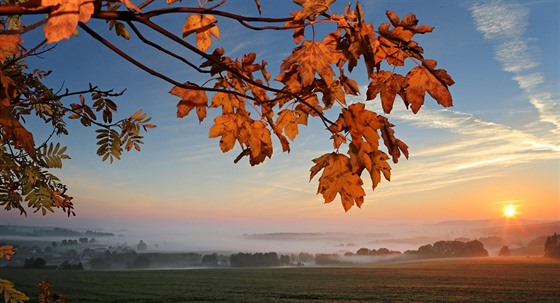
479,149
506,24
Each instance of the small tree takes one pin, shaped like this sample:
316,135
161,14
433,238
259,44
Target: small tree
504,251
552,246
142,245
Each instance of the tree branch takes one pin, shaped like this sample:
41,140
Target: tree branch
162,49
151,71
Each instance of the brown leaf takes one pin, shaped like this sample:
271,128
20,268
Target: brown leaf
204,26
190,98
258,3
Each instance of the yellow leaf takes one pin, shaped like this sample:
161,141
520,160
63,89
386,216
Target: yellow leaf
204,26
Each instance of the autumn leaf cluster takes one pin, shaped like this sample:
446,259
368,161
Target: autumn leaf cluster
255,111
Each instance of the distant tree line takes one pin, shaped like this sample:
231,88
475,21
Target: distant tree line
91,233
373,252
450,249
258,260
70,242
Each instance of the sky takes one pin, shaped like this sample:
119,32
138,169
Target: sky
499,144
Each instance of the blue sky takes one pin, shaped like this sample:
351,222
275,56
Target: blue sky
500,142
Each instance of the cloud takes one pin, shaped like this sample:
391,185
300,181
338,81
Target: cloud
506,23
515,56
472,149
498,20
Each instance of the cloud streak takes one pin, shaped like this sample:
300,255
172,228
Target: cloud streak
479,149
506,23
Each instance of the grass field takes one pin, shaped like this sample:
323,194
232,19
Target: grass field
447,280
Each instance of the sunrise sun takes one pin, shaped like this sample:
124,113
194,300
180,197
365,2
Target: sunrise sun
510,211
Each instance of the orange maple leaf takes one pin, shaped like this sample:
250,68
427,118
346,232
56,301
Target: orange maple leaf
389,85
9,45
204,26
63,16
394,145
13,130
298,25
426,78
338,178
311,8
360,122
288,120
7,251
309,58
227,101
190,98
256,136
226,126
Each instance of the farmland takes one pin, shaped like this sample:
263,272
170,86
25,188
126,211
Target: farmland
445,280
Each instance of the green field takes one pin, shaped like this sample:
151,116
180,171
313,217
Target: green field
448,280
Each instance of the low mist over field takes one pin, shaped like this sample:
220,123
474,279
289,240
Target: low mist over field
494,234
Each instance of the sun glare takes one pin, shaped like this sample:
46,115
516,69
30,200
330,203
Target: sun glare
510,211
